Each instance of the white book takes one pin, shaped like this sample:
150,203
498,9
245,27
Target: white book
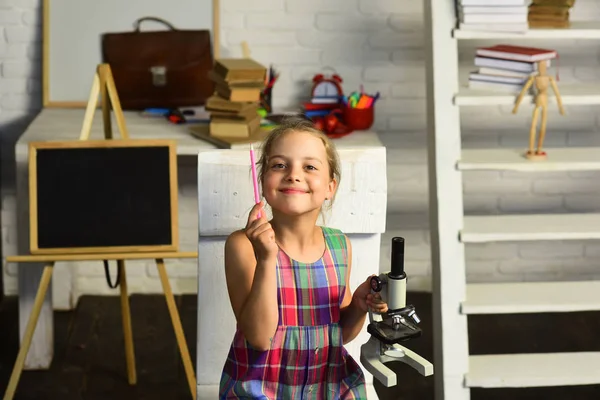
508,27
493,18
521,66
494,9
495,2
475,76
494,86
504,72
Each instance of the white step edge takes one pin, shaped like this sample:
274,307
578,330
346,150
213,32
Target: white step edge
578,30
531,297
570,93
559,159
533,370
499,228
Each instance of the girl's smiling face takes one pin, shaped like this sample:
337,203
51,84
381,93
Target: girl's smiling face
297,179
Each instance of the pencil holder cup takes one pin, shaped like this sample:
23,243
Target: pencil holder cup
359,119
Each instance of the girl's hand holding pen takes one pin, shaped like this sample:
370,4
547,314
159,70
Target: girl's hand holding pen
261,234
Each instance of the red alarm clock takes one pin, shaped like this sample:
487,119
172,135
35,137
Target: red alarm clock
327,86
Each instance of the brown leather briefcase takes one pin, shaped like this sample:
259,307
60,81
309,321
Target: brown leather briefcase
166,69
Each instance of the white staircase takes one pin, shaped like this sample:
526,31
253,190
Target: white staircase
527,370
456,370
531,297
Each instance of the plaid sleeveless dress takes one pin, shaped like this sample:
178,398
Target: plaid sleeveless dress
307,359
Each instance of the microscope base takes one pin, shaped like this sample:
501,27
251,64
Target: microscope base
373,360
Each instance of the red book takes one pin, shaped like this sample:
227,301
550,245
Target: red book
517,53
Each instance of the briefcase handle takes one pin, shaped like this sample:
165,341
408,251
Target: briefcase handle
137,23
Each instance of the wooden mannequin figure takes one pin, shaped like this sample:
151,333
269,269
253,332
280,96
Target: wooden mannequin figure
542,80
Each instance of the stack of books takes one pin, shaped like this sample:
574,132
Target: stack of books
493,15
234,106
550,13
506,68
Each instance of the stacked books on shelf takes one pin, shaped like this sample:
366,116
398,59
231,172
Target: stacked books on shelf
550,13
506,68
493,15
234,106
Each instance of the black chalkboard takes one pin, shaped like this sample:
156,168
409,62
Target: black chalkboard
103,196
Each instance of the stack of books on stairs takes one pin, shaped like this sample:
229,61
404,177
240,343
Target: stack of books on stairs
550,13
234,106
506,68
493,15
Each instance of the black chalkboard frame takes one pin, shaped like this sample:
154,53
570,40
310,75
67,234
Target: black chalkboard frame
173,246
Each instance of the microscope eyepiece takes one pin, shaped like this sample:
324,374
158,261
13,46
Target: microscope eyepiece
397,270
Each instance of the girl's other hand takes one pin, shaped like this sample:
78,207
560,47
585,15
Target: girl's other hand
369,301
261,234
376,303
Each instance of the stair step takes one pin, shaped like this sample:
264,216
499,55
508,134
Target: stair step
585,93
494,228
533,370
531,297
503,159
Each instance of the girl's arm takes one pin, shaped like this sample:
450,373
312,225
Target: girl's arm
352,317
355,306
252,288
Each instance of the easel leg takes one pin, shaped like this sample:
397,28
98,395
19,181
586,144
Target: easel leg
127,331
29,331
106,122
183,349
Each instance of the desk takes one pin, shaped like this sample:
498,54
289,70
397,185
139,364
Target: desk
65,124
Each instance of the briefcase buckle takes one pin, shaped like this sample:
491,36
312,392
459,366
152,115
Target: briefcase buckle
159,75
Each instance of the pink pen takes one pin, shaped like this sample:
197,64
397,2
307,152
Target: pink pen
254,177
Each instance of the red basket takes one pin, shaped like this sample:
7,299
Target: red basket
359,119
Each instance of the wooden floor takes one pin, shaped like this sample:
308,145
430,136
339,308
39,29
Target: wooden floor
89,361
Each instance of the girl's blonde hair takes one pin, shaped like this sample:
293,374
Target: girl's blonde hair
299,124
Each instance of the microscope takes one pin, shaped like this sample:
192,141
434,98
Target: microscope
398,324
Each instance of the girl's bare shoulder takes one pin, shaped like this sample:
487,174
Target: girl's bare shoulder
239,252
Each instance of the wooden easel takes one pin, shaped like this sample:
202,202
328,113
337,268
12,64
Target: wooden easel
103,85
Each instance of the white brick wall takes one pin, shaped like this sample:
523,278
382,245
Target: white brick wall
378,43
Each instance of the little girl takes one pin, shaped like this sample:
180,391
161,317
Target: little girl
287,280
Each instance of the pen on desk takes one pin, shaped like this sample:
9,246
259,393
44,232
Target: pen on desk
156,111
